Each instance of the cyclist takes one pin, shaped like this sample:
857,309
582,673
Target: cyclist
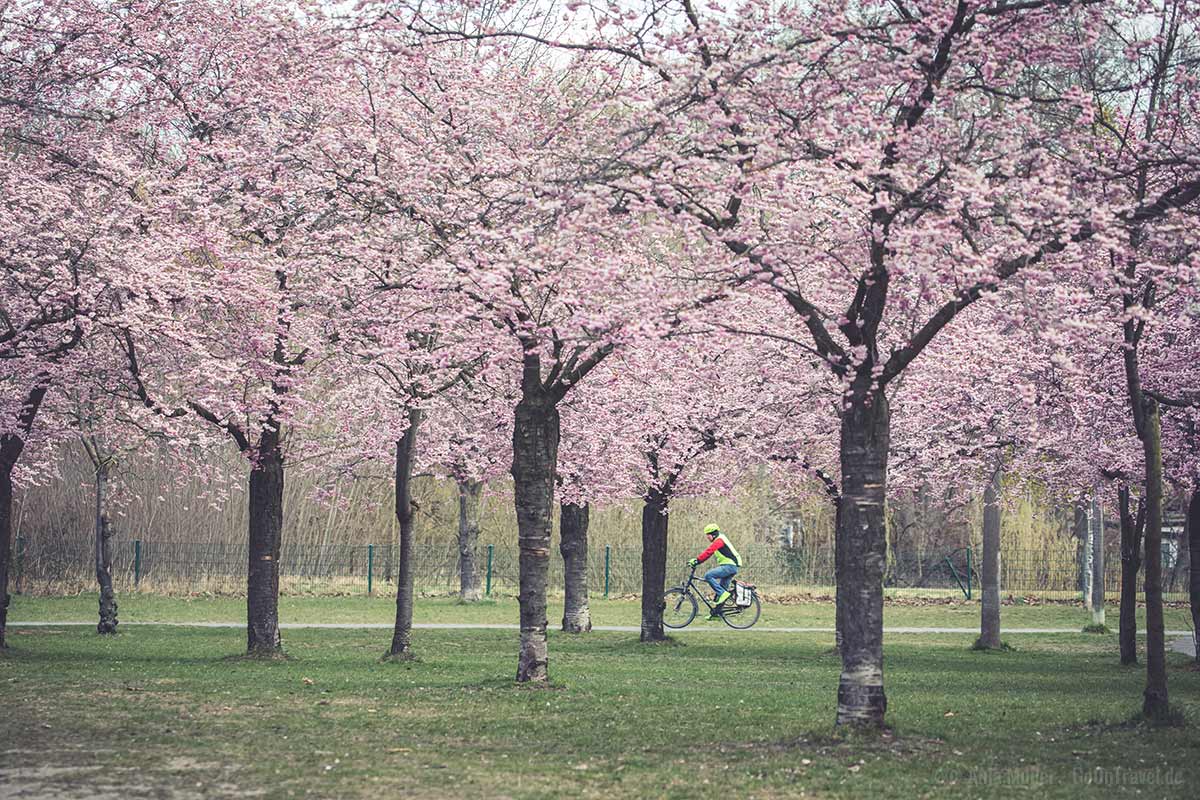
728,561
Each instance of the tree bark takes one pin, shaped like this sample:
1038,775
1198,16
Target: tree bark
6,496
989,622
469,492
535,457
837,607
108,599
266,534
405,452
11,446
1182,553
1155,704
1096,523
861,557
1194,562
573,545
1084,531
655,518
1131,564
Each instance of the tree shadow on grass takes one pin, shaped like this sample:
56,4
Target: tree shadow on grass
851,741
623,645
499,684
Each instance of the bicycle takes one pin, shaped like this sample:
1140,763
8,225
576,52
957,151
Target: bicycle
680,605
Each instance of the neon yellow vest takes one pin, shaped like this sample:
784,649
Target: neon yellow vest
723,559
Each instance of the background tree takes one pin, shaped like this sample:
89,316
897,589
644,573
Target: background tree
233,334
1148,156
67,225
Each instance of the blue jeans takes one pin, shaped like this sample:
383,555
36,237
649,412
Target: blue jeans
719,577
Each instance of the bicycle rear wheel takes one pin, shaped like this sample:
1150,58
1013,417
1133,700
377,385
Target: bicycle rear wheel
680,608
742,618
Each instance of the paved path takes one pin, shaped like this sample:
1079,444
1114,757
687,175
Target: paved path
1186,645
510,627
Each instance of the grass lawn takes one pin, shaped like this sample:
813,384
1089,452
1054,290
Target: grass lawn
137,607
173,713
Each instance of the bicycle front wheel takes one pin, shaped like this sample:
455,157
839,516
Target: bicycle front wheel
679,609
742,618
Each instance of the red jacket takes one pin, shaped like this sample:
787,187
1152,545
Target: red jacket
720,545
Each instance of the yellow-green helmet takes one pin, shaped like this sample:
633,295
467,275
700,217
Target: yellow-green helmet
711,528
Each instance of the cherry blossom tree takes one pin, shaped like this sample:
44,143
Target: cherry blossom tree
68,219
411,361
562,295
230,335
473,428
1145,87
488,140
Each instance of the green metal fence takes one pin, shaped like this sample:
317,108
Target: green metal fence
613,571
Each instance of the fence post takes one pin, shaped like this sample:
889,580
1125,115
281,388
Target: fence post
968,573
957,579
488,590
607,567
137,562
370,567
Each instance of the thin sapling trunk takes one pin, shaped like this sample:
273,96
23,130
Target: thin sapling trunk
470,492
1096,523
1194,565
401,647
108,599
1155,703
1131,564
989,623
573,545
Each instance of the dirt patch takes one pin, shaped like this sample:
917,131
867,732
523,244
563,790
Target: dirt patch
58,781
183,764
73,783
212,710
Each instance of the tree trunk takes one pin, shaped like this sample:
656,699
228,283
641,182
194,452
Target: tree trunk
266,533
837,607
469,492
989,623
1182,553
405,452
6,497
535,458
1155,704
573,545
655,518
1131,564
1193,518
1084,531
1096,523
11,446
108,599
861,556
